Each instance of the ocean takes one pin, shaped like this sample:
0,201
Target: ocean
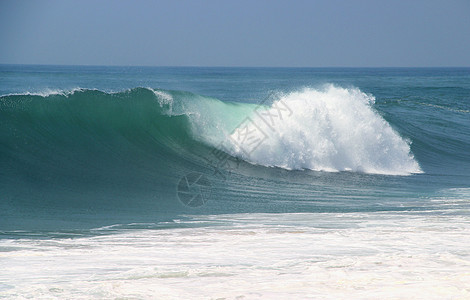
234,183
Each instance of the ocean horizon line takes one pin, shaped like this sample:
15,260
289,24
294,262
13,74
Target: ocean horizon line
237,67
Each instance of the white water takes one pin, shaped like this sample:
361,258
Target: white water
331,129
251,256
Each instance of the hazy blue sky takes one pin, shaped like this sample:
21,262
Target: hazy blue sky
236,33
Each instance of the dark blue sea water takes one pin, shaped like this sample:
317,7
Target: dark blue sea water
380,156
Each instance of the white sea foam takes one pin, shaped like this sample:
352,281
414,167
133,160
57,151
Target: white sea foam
254,256
329,129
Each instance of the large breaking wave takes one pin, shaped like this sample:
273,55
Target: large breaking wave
328,129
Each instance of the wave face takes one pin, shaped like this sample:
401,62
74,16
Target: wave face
333,129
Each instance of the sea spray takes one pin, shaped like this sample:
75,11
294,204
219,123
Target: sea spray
329,129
